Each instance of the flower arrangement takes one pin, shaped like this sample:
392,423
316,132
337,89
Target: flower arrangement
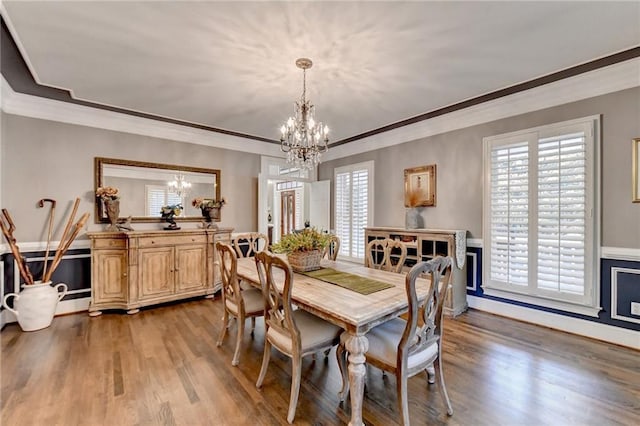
107,193
171,211
203,203
308,239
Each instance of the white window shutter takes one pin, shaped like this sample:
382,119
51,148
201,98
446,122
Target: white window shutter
509,214
353,200
562,213
540,235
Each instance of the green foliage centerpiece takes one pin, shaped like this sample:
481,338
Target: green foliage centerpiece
303,248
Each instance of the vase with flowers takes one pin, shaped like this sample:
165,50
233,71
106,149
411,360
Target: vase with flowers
169,213
413,219
210,209
111,202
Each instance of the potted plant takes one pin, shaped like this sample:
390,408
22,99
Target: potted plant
303,248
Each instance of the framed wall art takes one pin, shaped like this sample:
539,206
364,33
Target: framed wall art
420,186
635,170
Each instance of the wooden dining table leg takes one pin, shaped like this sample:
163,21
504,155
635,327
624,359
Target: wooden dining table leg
357,345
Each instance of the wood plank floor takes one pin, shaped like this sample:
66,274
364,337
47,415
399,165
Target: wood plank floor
162,367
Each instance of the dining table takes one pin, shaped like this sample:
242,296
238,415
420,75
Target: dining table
354,312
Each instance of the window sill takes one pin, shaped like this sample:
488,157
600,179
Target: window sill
542,302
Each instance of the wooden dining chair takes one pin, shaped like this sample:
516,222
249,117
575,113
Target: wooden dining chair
249,243
238,303
406,348
295,333
332,249
383,254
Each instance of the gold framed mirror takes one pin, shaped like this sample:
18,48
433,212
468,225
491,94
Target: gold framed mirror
143,188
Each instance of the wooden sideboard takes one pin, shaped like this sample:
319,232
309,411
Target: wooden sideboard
425,244
130,270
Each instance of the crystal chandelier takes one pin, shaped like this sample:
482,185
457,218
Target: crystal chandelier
303,138
179,185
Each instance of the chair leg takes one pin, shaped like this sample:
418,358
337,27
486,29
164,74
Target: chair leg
403,402
341,355
225,325
296,373
443,388
265,363
240,334
431,374
253,325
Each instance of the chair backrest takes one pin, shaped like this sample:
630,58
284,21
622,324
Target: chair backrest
383,254
418,334
278,309
248,244
229,274
332,249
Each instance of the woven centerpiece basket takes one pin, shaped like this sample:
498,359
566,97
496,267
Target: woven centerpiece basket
305,261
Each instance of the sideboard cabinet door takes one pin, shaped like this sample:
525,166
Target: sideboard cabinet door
191,267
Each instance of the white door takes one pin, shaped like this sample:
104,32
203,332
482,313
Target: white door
319,204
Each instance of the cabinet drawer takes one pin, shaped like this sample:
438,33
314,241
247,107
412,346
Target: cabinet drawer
172,240
100,243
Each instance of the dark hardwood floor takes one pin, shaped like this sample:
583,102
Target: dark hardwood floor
162,367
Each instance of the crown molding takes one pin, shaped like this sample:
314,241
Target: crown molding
65,112
621,76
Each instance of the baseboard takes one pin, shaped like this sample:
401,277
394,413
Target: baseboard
593,330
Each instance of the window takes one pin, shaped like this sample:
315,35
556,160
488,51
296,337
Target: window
158,196
539,222
353,195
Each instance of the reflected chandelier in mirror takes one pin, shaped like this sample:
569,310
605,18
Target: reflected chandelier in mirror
145,187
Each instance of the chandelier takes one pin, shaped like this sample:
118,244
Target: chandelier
179,185
303,138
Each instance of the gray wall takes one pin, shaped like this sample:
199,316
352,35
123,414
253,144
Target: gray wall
46,159
458,156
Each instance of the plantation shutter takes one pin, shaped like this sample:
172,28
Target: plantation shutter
343,212
562,180
509,214
353,192
158,197
155,199
359,204
539,221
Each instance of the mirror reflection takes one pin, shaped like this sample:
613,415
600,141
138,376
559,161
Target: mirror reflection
145,187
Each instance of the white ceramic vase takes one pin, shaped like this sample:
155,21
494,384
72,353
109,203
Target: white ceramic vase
413,219
36,304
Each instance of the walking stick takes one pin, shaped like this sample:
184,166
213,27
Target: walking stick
51,215
7,230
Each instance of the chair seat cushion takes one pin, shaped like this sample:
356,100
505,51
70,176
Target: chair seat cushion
314,332
384,340
253,302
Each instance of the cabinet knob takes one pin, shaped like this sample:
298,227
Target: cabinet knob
124,275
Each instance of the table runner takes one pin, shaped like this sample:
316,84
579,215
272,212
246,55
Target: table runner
349,281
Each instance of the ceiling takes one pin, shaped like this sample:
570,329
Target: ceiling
231,65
